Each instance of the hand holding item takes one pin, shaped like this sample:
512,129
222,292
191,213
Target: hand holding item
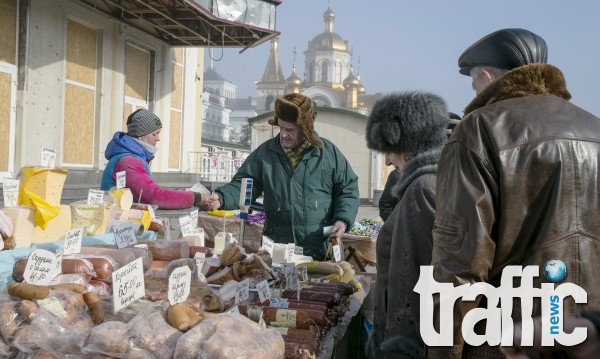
338,229
213,202
590,348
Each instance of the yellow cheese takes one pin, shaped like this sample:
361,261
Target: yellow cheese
93,217
123,198
45,183
23,223
56,228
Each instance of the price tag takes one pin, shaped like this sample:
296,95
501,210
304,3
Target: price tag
121,179
194,218
185,223
180,282
242,291
128,284
95,196
304,274
337,253
10,191
124,234
298,250
268,244
289,253
48,158
264,292
291,276
73,240
42,266
199,257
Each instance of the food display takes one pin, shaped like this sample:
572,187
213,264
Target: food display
97,294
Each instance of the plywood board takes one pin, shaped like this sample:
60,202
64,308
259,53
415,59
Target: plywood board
127,110
8,31
78,142
176,86
5,88
81,53
137,72
175,140
178,55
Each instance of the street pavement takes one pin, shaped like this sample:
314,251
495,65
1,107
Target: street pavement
367,211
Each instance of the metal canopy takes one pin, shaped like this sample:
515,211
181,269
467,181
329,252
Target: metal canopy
231,24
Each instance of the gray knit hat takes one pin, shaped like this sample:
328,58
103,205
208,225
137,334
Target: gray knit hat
142,122
407,122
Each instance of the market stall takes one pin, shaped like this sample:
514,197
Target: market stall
110,280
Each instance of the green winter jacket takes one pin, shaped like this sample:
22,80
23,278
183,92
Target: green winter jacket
298,203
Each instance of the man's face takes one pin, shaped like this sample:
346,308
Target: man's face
290,135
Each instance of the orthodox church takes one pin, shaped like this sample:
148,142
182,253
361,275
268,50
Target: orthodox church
329,78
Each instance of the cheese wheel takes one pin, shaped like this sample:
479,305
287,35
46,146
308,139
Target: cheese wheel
123,198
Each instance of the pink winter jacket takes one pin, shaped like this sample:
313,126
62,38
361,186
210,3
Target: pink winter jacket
139,181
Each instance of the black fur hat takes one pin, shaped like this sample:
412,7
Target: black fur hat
407,122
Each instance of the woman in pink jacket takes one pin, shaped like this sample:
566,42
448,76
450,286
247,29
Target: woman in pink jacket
132,152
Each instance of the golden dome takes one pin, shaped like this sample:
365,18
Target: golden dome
328,41
351,81
294,80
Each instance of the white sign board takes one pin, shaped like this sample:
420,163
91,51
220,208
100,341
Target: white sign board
128,284
42,266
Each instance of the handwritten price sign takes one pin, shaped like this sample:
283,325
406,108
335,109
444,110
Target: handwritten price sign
10,191
128,284
242,292
124,235
120,179
95,196
199,257
48,157
185,223
264,292
179,285
268,244
41,267
73,240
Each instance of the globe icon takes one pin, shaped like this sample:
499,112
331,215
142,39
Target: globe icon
555,270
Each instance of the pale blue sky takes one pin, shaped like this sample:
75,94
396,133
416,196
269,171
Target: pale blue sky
414,45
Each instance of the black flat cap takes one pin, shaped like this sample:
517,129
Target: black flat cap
505,49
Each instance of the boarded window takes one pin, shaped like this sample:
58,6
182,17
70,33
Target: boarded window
137,79
80,94
8,89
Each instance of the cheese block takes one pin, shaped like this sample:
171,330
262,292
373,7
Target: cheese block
45,183
23,223
56,228
123,198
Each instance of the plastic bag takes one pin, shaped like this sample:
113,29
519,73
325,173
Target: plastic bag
230,335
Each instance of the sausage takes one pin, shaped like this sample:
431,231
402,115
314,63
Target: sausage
196,249
322,297
99,287
103,266
342,288
311,333
298,351
167,250
69,266
122,257
291,318
312,343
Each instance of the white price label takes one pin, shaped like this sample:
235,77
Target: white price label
298,250
180,282
289,253
48,157
185,223
199,257
73,240
128,284
337,253
124,234
194,218
291,276
120,179
242,292
304,274
264,292
42,266
10,191
268,244
95,196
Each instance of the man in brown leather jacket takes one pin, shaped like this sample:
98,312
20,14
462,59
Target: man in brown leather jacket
518,183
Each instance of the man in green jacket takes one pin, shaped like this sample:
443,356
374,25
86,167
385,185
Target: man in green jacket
306,182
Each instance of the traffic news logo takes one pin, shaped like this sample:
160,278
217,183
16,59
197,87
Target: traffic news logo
500,326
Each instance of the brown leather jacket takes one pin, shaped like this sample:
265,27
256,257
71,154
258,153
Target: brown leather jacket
518,184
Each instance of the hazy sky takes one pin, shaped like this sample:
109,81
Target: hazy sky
414,45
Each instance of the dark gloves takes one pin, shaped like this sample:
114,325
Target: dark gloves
198,199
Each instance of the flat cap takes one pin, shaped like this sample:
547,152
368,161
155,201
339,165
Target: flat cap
505,49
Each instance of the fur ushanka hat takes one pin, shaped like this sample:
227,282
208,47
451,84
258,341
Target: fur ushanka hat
410,122
298,109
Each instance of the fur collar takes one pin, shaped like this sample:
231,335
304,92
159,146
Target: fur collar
422,164
528,80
